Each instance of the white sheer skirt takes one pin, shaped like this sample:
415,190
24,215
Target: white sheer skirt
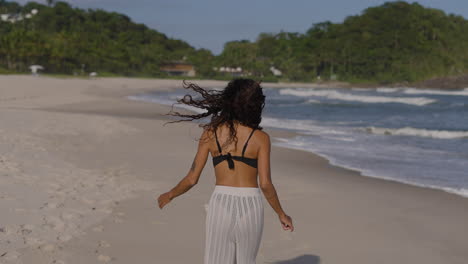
234,225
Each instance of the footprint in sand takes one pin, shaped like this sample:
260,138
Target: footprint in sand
55,223
9,230
10,256
25,229
98,228
8,165
47,247
52,205
103,244
32,241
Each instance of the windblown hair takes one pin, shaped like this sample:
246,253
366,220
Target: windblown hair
242,100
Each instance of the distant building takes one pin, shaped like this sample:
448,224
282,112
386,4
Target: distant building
179,68
35,69
275,71
13,18
233,71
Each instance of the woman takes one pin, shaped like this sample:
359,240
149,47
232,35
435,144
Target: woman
241,158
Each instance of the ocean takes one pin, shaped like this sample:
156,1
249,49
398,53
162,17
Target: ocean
409,135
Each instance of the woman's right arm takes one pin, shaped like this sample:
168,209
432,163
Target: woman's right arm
266,184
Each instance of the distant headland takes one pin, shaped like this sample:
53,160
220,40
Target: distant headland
395,44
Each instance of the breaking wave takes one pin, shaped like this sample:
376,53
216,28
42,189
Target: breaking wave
409,131
387,90
332,94
463,92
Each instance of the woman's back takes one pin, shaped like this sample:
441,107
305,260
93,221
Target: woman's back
243,174
241,158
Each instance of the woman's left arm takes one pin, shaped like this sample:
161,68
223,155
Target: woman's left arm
193,174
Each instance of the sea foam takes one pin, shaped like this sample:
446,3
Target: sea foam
409,131
463,92
387,90
294,143
333,94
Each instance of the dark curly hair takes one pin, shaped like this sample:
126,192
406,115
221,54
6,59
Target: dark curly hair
242,100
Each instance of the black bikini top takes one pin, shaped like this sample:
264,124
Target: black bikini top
229,158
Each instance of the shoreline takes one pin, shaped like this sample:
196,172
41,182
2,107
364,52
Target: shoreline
291,133
448,83
65,133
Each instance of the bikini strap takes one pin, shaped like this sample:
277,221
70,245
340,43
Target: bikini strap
247,142
217,143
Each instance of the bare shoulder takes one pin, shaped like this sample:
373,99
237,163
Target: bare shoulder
263,137
205,132
205,136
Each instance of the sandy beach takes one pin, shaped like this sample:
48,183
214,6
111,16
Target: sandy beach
81,167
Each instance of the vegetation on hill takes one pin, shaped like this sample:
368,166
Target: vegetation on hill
67,40
394,42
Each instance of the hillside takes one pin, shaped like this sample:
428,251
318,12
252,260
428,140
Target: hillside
71,40
396,42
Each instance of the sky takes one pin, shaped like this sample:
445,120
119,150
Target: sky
211,23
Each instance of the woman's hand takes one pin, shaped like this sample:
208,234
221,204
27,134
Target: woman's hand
286,222
164,199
